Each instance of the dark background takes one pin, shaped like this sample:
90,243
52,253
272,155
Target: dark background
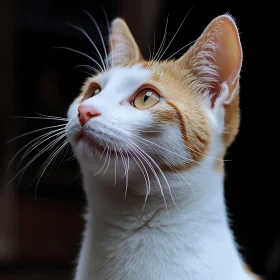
39,238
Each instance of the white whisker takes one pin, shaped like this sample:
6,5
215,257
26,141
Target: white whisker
92,43
48,162
43,118
161,45
52,117
108,161
175,33
182,49
123,160
34,131
59,159
22,170
150,53
116,160
159,169
127,167
178,174
83,54
103,151
154,48
39,137
191,160
175,53
145,174
148,141
42,139
101,37
107,149
143,155
110,37
40,118
136,129
88,67
163,40
85,72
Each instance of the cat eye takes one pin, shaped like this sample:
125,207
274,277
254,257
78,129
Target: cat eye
93,90
146,98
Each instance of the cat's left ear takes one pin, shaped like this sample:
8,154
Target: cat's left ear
215,59
123,48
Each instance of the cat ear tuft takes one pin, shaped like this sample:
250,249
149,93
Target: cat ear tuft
123,48
216,58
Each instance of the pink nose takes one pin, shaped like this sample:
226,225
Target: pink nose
86,113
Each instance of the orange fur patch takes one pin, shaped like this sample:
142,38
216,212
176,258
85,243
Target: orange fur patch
232,122
176,87
250,272
219,164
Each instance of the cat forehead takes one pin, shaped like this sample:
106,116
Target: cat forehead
122,80
128,74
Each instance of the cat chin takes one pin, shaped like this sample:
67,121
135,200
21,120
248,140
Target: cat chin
93,156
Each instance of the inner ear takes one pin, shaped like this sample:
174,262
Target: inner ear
216,57
123,47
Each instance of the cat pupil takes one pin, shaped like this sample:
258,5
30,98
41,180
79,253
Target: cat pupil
147,95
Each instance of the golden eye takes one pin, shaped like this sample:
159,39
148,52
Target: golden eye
93,90
146,98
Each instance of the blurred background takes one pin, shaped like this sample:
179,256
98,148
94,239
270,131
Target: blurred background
40,234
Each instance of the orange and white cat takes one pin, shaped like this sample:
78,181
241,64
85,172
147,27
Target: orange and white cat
150,138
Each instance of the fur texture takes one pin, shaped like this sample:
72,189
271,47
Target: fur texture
154,178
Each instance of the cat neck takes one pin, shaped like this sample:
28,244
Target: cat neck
120,237
189,196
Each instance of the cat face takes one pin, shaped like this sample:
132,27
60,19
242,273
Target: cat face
160,114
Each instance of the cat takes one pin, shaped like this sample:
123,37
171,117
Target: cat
150,138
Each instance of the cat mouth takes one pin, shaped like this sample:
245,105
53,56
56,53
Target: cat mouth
84,136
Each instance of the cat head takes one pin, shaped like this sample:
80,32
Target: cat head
170,114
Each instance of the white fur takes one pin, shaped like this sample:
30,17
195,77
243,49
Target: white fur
189,242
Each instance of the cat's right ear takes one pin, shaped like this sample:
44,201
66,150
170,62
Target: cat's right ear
123,48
